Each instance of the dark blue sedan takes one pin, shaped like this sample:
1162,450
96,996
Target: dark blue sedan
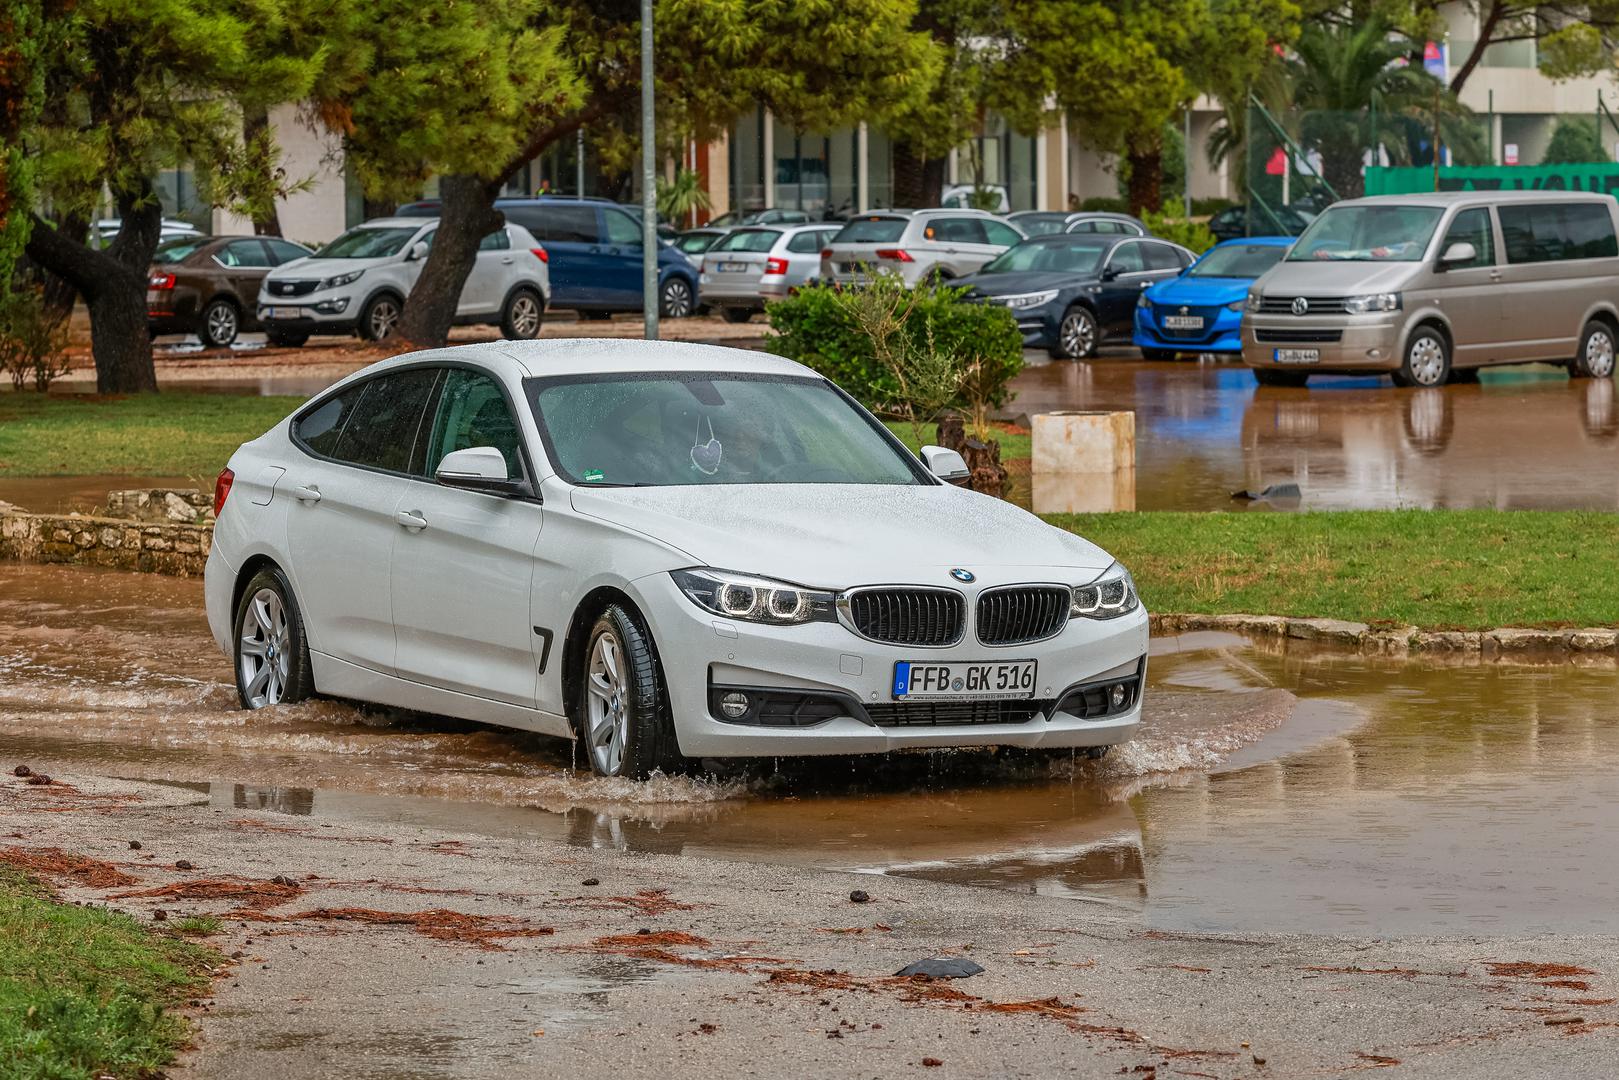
1201,311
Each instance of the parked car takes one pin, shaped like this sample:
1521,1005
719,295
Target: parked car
360,282
917,245
1047,222
646,546
1201,310
103,231
768,216
1106,223
1073,291
1232,222
969,197
209,285
693,242
595,251
1428,288
750,266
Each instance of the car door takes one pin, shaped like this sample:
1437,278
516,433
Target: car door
463,561
245,262
1471,292
569,233
346,485
490,276
966,244
621,254
1123,277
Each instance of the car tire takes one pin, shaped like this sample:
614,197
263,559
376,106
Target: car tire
380,317
285,339
1077,335
1159,354
271,650
1273,377
675,299
1426,361
736,314
1595,359
623,712
521,318
220,324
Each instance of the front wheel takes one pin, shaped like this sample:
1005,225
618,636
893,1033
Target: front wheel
675,300
1426,361
1076,335
1595,359
380,316
623,718
521,319
220,323
272,651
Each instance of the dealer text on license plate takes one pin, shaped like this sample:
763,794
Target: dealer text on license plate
966,680
1296,356
1183,322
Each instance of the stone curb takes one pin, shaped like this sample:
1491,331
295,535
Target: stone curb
1501,643
118,543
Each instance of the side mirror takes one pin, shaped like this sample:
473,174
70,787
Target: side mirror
477,468
947,465
418,251
1459,252
1109,273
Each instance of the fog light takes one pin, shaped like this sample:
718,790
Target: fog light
734,705
1116,696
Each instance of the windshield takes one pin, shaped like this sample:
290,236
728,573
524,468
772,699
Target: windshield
696,243
367,244
748,240
173,251
872,230
1068,254
1375,233
677,429
1238,261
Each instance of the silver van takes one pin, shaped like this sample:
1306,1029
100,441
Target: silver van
1431,287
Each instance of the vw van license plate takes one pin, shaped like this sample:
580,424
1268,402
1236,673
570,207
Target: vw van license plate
1183,322
965,680
1296,356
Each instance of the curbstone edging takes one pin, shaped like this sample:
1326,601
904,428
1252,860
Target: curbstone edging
1589,645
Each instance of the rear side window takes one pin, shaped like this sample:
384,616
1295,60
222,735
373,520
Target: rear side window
557,223
281,251
1162,257
244,253
382,432
1552,232
748,240
320,428
472,411
805,242
956,230
1126,259
1001,234
495,241
872,230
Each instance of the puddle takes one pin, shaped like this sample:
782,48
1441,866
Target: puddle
1267,791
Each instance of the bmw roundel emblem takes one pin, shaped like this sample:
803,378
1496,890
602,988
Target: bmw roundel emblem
966,577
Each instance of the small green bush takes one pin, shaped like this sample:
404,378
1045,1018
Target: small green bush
1105,204
1194,235
1211,206
816,329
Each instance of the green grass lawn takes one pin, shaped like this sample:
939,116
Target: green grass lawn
1438,569
1014,443
85,991
169,434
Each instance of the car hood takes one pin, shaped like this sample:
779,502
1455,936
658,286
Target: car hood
310,267
1199,292
1016,282
1336,277
836,536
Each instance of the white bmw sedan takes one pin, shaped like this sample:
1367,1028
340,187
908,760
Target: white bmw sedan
665,550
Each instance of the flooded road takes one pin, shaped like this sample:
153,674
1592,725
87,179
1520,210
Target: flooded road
1269,791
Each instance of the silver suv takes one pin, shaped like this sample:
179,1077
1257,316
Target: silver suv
916,245
1427,287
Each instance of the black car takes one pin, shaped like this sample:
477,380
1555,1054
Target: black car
1232,222
1073,291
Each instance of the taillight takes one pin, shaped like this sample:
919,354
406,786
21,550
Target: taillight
896,254
775,266
826,253
222,489
539,253
160,281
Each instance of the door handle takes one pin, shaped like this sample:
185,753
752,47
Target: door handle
308,493
411,519
1495,275
507,260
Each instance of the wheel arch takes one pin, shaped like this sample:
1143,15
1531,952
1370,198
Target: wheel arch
1437,321
591,605
249,569
526,285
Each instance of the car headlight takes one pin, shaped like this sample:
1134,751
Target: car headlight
1236,305
1029,300
1359,305
754,599
1253,301
1143,302
339,281
1109,596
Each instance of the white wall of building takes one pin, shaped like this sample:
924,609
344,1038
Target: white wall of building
315,215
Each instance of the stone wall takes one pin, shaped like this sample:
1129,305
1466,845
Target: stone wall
161,506
167,547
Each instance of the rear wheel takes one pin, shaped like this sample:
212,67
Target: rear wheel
1273,377
221,322
1595,359
524,312
1076,334
1426,361
675,299
623,715
272,652
736,314
380,316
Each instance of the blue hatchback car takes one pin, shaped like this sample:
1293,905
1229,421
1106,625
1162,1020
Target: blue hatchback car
1201,310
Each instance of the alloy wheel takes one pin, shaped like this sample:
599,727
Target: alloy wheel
264,654
1427,361
1078,334
221,324
676,299
525,317
608,717
1599,354
384,316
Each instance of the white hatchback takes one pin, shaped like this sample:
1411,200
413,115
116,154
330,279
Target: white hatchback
666,550
359,283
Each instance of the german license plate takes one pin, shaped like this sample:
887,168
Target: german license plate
963,680
284,313
732,267
1183,322
1296,356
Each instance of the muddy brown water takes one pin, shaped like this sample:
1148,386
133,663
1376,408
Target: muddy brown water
1267,792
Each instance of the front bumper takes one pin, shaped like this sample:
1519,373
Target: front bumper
699,650
1225,336
1354,343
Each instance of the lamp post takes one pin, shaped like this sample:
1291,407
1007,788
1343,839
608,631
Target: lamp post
649,183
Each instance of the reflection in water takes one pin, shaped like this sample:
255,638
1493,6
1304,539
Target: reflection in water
1205,430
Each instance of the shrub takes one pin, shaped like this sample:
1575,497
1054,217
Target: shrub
1211,206
1105,204
1194,235
821,327
32,341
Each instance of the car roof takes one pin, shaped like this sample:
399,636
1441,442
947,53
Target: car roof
584,356
1267,241
395,223
1451,198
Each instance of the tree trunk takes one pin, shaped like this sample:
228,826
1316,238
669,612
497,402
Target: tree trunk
256,126
113,284
466,215
1146,180
918,180
987,474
